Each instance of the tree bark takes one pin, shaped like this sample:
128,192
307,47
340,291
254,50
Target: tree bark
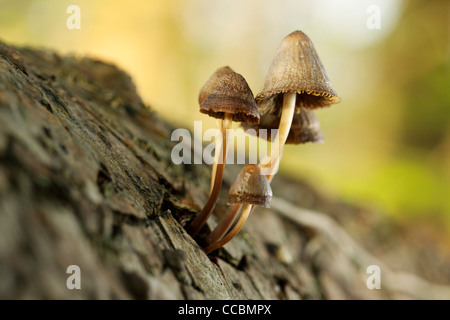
86,179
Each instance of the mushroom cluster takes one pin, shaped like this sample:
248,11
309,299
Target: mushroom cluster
295,85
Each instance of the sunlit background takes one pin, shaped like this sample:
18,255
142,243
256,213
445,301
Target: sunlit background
387,144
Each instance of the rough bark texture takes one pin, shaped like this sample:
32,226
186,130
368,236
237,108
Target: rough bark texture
86,179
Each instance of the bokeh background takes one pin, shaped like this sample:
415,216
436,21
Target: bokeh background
387,144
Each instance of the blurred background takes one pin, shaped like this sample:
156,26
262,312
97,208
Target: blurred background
387,144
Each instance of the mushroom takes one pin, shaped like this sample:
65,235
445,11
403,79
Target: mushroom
295,79
205,91
230,100
250,187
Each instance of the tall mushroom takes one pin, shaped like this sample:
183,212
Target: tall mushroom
249,187
295,79
230,100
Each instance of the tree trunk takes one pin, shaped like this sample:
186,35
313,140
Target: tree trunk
86,179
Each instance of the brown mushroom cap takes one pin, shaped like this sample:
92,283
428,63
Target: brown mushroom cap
250,187
296,68
212,82
305,127
233,96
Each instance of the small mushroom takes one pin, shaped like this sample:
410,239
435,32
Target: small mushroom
230,100
296,79
250,187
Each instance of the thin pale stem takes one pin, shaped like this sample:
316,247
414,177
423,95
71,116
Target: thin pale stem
276,165
200,220
217,154
233,232
270,163
221,229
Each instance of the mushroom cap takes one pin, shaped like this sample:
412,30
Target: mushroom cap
305,127
296,68
212,82
250,187
233,96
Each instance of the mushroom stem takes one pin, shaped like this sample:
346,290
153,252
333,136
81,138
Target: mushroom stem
270,163
233,232
222,227
200,220
276,164
217,154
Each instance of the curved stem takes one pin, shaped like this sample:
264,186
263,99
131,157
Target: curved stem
221,229
233,232
276,165
270,163
217,153
200,220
